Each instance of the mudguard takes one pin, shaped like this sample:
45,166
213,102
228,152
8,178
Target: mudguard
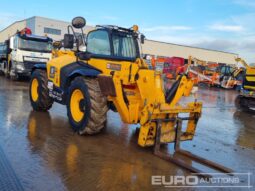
39,66
85,72
73,70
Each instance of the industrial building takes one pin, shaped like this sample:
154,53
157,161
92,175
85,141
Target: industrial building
169,49
56,30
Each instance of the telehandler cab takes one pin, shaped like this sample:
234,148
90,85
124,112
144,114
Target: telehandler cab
111,74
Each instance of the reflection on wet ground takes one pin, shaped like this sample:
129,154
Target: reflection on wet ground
47,155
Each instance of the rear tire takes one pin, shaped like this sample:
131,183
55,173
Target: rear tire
39,92
13,76
87,112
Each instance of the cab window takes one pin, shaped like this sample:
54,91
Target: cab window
124,46
98,43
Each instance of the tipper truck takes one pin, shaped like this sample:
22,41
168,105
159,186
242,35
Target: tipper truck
22,51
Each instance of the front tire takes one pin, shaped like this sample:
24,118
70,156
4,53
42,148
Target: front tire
6,70
39,92
86,106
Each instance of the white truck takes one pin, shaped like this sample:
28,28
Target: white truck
22,51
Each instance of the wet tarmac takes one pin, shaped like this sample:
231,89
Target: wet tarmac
45,154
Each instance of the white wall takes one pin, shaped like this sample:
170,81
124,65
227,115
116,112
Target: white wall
41,23
11,30
168,49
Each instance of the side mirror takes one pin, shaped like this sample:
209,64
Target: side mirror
78,22
142,38
11,43
68,41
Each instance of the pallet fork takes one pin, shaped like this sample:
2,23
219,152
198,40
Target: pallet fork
178,150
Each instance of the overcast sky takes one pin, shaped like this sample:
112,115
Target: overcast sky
227,25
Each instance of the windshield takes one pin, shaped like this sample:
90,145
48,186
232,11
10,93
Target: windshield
124,46
3,49
37,46
227,70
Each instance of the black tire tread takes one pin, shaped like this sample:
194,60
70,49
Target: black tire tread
98,109
44,102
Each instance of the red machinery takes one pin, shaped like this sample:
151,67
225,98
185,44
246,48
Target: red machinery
170,66
173,66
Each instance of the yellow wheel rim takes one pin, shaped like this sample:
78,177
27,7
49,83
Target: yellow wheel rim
34,90
76,112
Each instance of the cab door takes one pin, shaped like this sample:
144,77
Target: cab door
115,54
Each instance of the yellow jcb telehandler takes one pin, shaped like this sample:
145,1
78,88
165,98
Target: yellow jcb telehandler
111,74
246,99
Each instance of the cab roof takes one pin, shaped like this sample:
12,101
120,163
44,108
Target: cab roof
35,37
117,29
